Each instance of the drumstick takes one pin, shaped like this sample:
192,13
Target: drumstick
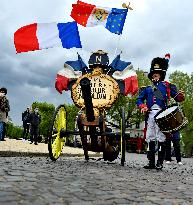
176,94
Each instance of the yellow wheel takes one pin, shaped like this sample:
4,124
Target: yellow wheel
56,140
122,130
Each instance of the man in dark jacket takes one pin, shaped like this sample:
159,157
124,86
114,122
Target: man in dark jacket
26,123
35,120
4,109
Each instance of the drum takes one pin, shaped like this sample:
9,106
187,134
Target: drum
170,120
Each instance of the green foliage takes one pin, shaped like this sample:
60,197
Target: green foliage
13,131
72,112
143,80
183,82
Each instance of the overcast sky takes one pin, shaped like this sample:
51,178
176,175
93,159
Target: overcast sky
152,29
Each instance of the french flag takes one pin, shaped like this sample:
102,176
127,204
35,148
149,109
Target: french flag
64,77
129,77
39,36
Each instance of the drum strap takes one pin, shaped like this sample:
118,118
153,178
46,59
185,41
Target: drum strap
158,93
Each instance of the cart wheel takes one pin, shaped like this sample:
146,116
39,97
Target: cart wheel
122,131
55,141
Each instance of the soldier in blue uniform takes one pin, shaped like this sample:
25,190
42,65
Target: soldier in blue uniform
150,101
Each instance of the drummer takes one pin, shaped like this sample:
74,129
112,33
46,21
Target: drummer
150,101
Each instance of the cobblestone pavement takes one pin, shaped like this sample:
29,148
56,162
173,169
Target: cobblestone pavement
72,181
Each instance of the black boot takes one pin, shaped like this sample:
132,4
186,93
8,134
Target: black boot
159,165
161,155
177,150
151,156
168,156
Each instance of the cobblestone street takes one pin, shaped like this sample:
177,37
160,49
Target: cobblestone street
72,181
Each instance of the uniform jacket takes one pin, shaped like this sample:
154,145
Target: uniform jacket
4,109
147,97
176,136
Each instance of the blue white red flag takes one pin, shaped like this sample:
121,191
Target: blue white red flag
89,15
39,36
129,77
64,76
72,70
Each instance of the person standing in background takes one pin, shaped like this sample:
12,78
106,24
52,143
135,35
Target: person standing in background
35,120
26,123
4,109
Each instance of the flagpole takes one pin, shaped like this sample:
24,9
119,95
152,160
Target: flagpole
115,52
124,5
83,58
128,7
117,46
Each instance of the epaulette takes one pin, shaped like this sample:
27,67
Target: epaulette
167,83
147,86
142,88
173,86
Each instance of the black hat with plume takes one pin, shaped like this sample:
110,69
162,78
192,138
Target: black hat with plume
159,65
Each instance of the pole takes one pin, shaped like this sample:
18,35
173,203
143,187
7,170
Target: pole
124,5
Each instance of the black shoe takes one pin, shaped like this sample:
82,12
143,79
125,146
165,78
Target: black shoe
36,143
31,142
159,165
149,166
86,157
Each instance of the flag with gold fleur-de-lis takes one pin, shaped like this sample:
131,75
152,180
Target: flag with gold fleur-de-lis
89,15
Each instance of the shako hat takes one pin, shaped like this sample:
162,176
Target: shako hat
159,65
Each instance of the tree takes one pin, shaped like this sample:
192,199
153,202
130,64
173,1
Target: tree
12,131
72,112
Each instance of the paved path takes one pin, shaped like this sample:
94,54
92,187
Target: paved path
72,181
12,147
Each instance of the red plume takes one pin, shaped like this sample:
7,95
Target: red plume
167,56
